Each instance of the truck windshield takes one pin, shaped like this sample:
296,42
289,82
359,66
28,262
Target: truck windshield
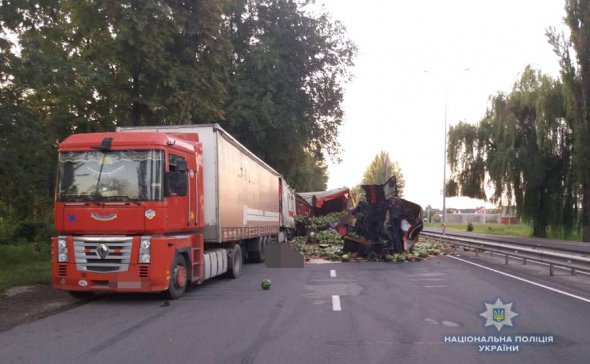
117,175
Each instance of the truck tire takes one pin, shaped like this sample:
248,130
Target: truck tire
235,262
258,254
178,278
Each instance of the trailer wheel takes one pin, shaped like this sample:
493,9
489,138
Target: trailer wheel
258,255
178,278
235,262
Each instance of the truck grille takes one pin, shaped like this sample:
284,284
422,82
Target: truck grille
103,254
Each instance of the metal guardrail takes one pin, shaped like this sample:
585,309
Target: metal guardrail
574,261
551,244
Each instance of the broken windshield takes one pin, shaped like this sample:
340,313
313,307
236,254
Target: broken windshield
114,175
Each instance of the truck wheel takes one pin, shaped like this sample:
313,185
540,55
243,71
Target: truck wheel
82,295
178,278
258,255
235,262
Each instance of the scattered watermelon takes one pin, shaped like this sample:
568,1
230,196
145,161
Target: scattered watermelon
265,284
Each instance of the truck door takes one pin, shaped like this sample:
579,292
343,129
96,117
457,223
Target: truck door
177,192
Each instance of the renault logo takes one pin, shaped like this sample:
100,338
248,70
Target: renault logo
102,250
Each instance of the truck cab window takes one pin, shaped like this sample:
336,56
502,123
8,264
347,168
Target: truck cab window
176,178
116,175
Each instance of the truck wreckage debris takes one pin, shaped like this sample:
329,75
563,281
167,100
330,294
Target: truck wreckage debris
381,227
386,223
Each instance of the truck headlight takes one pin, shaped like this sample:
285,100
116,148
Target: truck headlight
62,249
145,249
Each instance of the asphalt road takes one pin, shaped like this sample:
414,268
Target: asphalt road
388,313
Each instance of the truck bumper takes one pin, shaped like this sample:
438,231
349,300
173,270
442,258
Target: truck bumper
138,278
127,275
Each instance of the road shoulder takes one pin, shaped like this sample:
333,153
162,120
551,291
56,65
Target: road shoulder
24,304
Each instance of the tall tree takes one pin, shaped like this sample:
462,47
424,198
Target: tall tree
90,66
130,62
287,75
523,145
267,70
575,71
381,169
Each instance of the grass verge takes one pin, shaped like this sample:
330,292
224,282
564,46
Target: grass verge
24,264
497,229
525,230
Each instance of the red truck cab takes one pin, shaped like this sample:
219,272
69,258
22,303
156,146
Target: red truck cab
128,211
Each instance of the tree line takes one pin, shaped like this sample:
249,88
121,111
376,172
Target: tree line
533,144
271,72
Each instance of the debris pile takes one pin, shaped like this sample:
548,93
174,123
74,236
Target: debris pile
329,246
383,227
317,251
385,223
307,225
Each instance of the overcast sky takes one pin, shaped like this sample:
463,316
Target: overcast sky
393,105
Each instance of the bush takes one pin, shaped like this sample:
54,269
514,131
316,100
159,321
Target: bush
12,232
470,227
24,264
11,255
32,231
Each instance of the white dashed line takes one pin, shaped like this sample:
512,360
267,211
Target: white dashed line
333,273
435,286
336,303
525,280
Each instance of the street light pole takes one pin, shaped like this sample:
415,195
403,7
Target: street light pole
444,191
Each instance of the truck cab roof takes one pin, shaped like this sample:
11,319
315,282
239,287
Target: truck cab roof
139,140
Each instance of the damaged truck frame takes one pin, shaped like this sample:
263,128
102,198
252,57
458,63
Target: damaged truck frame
386,223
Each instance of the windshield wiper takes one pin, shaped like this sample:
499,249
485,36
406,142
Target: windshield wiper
100,172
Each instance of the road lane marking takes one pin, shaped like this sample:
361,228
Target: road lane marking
336,303
525,280
450,324
431,321
428,279
333,273
435,286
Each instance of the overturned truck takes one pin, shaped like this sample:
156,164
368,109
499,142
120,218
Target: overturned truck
385,223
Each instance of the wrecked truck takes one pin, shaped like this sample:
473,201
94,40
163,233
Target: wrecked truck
385,223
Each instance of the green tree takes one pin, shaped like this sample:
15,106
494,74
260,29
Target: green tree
574,54
381,169
308,174
90,66
266,70
285,90
523,146
26,175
